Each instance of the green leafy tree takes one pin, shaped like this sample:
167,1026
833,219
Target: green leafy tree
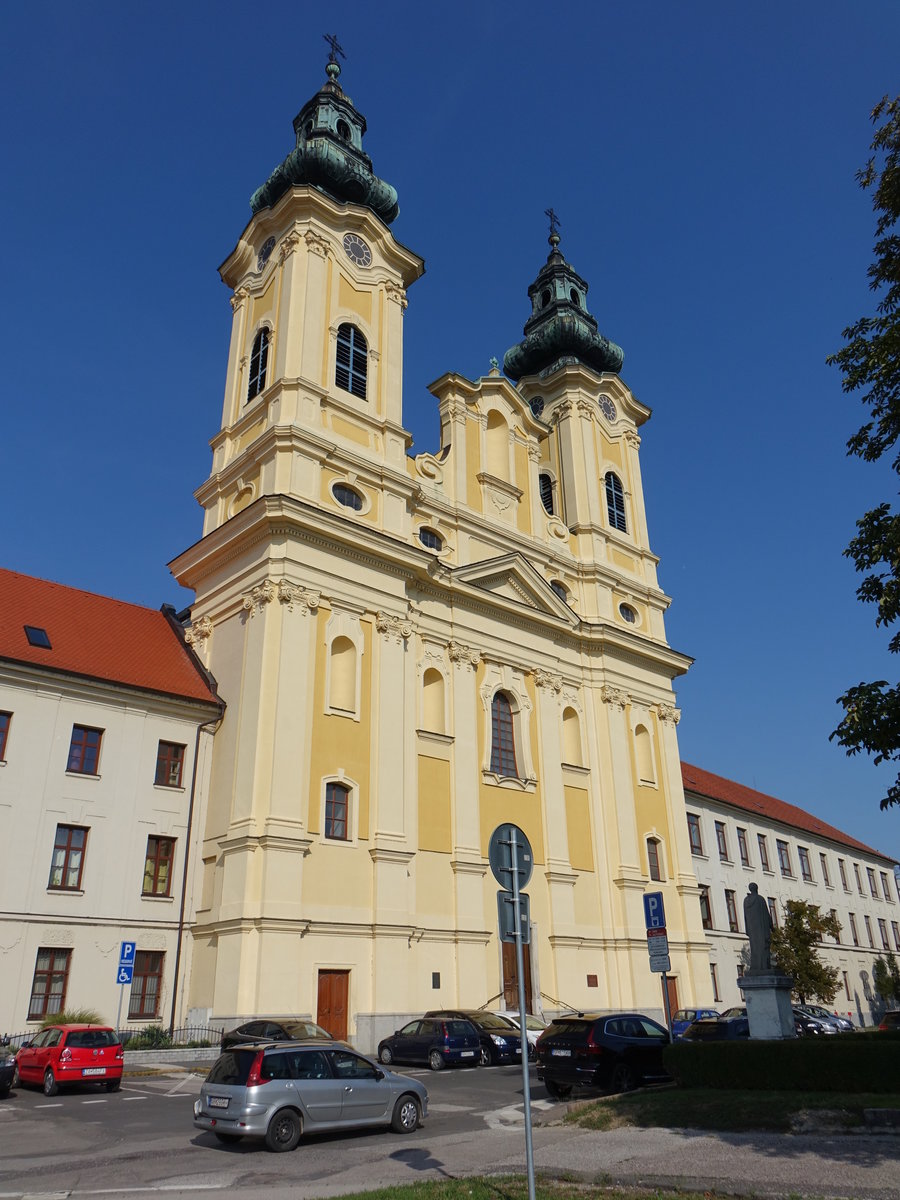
870,364
795,951
886,977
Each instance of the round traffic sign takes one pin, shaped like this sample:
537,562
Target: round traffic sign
509,853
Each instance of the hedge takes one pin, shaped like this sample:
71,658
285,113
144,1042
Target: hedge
843,1063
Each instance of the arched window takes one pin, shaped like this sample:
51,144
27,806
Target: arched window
503,741
433,700
615,502
653,859
342,681
545,483
337,811
351,362
497,445
571,738
259,360
644,753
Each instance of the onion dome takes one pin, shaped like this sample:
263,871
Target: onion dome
560,328
329,154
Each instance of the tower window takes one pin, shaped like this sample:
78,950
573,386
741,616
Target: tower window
545,484
503,743
615,502
337,808
430,539
545,297
653,859
347,496
351,363
259,360
343,130
627,614
575,298
559,589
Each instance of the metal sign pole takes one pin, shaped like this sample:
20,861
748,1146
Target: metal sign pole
520,972
119,1013
666,1006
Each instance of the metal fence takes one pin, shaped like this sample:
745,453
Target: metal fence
150,1037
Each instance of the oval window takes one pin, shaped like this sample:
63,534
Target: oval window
545,297
627,613
430,539
560,590
343,130
574,297
347,496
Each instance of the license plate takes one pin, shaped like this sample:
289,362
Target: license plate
467,1054
561,1053
94,1071
218,1102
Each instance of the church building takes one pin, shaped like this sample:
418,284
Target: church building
415,650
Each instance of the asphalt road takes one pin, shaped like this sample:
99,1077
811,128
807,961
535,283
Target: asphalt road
141,1140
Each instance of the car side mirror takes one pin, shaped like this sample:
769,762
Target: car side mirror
379,1074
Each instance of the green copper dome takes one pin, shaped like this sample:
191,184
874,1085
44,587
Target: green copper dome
560,328
329,155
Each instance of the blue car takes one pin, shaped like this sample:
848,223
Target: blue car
685,1016
436,1042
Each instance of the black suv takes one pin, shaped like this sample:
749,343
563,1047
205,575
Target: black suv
500,1043
614,1052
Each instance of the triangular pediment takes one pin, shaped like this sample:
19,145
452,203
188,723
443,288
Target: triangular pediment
511,577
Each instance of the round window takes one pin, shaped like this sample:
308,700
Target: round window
560,590
347,496
627,613
430,539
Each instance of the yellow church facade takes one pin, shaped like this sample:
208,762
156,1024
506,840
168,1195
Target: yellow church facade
414,650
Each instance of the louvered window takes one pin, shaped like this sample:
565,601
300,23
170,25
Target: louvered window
615,502
259,359
351,362
503,744
545,483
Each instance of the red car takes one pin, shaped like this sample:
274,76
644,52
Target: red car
62,1054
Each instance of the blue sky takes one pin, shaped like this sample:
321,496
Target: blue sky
701,157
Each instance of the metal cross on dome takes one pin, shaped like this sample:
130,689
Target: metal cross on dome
336,47
554,221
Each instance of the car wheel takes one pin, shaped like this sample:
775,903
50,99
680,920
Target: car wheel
284,1131
559,1091
15,1078
435,1060
51,1087
406,1115
484,1057
385,1055
623,1078
227,1139
113,1085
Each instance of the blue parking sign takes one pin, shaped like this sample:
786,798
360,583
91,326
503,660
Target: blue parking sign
126,954
654,913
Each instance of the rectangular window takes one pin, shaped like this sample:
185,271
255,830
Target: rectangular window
805,866
868,925
722,842
169,764
67,862
715,982
773,911
731,909
859,886
872,885
694,833
882,929
895,930
84,750
886,891
763,851
5,719
743,848
705,910
48,987
853,932
823,863
158,867
784,858
837,936
653,859
843,874
846,984
337,804
146,984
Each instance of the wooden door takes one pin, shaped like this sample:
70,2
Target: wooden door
672,985
331,1008
511,979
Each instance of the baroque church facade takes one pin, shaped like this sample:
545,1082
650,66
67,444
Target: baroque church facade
414,650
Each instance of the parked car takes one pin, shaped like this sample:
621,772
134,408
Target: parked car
63,1054
740,1010
842,1024
499,1042
274,1031
684,1016
7,1068
810,1026
437,1041
534,1027
278,1092
716,1029
890,1021
614,1052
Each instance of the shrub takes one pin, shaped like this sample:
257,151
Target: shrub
842,1063
153,1037
73,1016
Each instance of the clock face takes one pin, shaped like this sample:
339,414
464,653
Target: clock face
357,250
263,257
607,408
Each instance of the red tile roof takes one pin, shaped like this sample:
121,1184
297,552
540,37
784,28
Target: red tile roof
726,791
96,637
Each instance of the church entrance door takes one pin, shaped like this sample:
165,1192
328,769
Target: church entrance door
331,1010
511,979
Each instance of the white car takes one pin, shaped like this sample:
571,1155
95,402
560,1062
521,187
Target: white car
534,1026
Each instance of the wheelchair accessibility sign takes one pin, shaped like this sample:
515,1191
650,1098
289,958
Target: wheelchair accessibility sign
125,969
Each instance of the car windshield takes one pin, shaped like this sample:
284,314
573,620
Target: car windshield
305,1029
491,1021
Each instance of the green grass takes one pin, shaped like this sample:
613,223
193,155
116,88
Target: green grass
516,1188
714,1109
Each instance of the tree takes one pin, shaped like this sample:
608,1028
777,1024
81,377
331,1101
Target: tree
886,977
870,363
794,951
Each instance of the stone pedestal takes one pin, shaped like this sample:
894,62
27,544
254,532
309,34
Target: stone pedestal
768,1000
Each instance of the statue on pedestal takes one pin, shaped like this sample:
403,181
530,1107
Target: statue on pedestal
758,924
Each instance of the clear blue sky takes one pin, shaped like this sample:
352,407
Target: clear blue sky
701,157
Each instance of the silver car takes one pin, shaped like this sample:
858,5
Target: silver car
279,1092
